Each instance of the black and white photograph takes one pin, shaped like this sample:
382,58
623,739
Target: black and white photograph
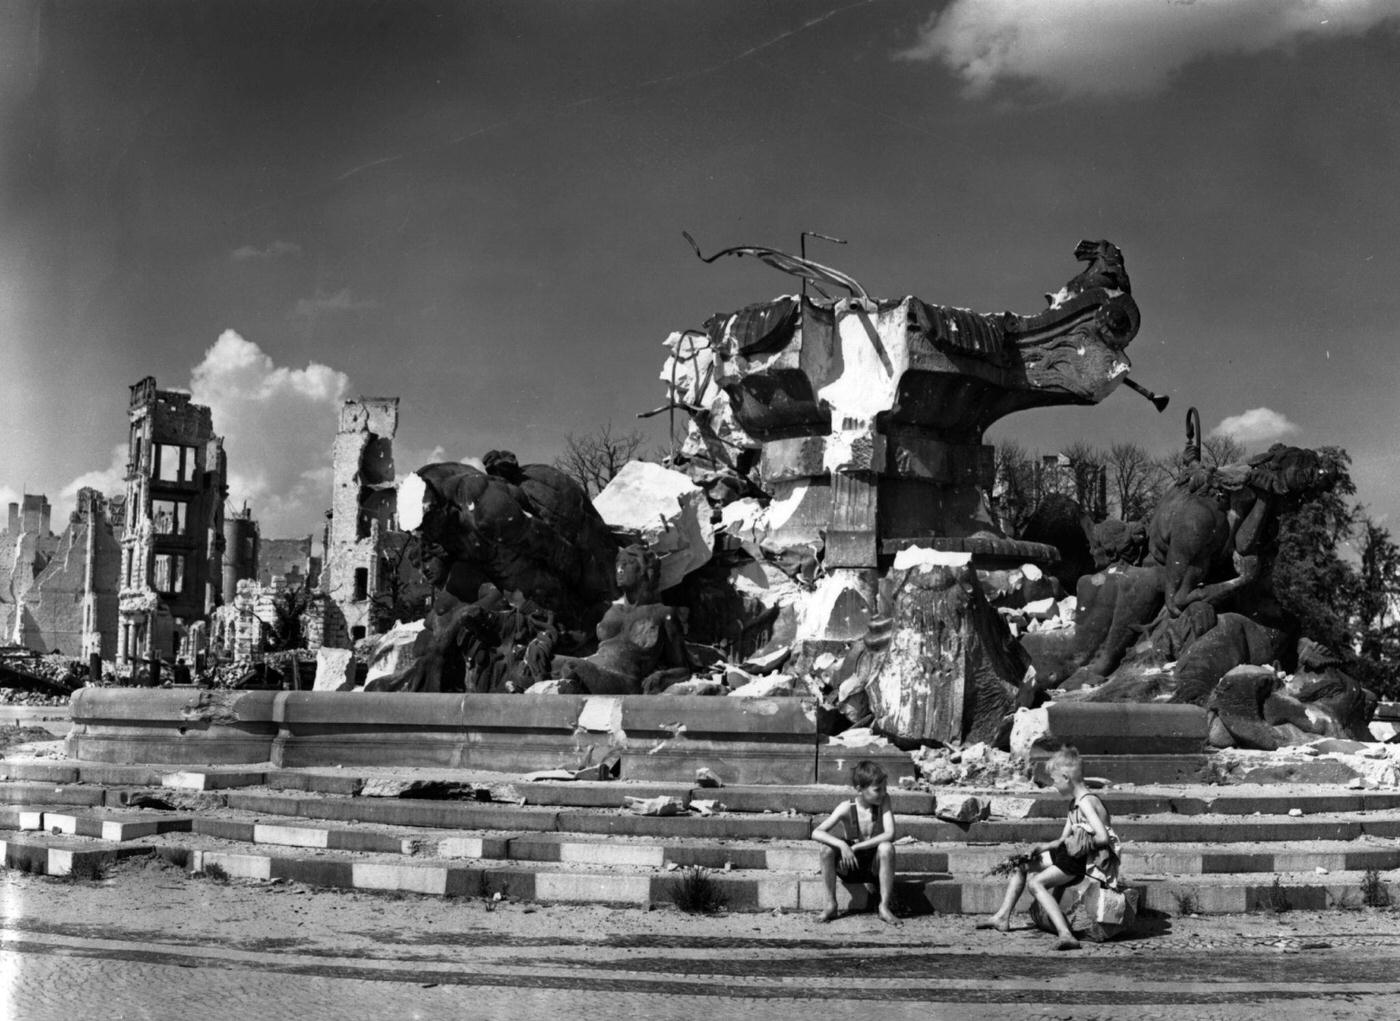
519,509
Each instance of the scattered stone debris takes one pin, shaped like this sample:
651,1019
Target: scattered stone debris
662,804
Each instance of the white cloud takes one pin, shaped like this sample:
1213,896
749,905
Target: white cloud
341,301
274,250
1257,425
1120,47
109,481
278,426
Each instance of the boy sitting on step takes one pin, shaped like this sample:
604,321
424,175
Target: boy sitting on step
1064,860
866,855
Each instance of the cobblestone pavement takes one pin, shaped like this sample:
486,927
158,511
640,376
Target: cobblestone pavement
152,943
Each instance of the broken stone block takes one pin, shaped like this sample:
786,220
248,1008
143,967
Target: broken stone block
669,511
335,670
1385,731
1028,728
394,652
1238,700
706,777
1341,746
1094,913
860,737
960,808
1011,808
565,686
772,686
737,678
950,670
697,686
841,608
662,804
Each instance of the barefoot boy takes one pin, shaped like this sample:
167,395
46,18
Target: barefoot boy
1087,827
866,855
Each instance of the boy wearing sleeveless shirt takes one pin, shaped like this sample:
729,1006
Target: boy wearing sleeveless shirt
866,855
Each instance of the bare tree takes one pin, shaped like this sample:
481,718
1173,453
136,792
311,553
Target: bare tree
1014,493
593,459
1086,470
1132,473
403,592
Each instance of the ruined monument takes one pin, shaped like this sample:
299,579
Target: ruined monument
863,418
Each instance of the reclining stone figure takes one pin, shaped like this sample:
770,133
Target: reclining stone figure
641,649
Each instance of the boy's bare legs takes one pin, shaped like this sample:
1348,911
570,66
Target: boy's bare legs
1043,884
829,856
884,860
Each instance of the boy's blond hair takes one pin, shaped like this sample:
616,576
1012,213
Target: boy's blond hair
1067,758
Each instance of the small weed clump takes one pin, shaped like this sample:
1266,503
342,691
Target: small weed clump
1278,899
1374,893
1187,902
215,872
697,894
87,870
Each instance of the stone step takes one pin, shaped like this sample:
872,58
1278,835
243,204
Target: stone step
1156,828
640,886
1181,859
809,799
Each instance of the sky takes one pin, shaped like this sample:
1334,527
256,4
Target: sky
477,207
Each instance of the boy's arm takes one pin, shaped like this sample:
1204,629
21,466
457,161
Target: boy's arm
1095,814
886,834
1050,845
823,835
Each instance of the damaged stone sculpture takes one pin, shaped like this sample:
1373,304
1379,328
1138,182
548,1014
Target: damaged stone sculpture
640,646
1198,622
521,565
864,419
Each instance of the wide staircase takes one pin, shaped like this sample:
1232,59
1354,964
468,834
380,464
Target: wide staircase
1188,848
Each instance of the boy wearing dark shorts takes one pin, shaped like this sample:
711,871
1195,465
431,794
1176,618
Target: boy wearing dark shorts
866,855
1056,864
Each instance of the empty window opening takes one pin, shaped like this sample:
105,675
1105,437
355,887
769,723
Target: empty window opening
170,517
169,573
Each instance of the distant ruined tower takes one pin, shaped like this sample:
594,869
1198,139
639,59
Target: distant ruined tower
242,540
362,513
172,547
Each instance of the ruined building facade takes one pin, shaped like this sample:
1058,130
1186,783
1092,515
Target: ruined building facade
361,518
60,591
173,544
